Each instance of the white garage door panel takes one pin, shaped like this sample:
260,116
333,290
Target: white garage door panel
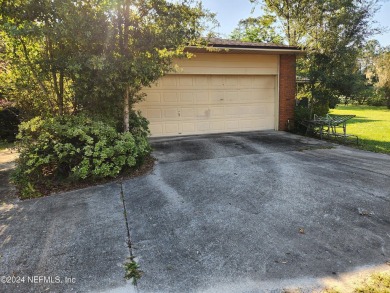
193,104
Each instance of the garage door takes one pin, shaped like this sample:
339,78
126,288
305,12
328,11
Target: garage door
199,104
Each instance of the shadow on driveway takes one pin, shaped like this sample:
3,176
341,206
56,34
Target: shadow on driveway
240,213
76,240
222,213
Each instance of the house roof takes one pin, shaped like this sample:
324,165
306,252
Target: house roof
233,46
217,42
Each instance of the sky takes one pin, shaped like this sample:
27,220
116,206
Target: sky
229,13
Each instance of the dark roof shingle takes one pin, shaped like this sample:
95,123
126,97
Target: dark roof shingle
217,42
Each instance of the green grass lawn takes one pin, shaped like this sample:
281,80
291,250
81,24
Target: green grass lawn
375,283
371,125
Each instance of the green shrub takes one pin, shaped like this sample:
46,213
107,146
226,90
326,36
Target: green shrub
333,102
139,125
320,109
376,101
301,113
70,149
379,98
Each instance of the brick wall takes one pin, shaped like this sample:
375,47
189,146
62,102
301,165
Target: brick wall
286,89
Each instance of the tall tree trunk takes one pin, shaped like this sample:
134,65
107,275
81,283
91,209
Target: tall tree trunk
58,84
126,24
61,92
36,77
287,4
120,26
126,111
126,100
288,33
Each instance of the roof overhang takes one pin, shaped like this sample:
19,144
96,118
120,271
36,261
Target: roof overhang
242,50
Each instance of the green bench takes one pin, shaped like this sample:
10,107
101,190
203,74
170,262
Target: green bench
329,126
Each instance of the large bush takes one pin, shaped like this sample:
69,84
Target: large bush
378,99
70,149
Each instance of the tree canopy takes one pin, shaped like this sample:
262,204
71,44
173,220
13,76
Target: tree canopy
65,56
257,29
382,68
332,32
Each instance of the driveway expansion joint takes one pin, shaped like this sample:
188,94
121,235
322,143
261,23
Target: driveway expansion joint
127,228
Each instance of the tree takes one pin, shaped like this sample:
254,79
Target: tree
142,40
260,29
292,14
93,56
332,34
368,54
382,65
42,41
336,44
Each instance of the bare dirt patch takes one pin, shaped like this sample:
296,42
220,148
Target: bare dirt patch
7,164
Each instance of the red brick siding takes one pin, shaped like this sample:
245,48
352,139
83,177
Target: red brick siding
287,74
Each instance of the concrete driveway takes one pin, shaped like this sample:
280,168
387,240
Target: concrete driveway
256,212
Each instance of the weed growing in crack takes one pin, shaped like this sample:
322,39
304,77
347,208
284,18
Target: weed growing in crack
132,271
